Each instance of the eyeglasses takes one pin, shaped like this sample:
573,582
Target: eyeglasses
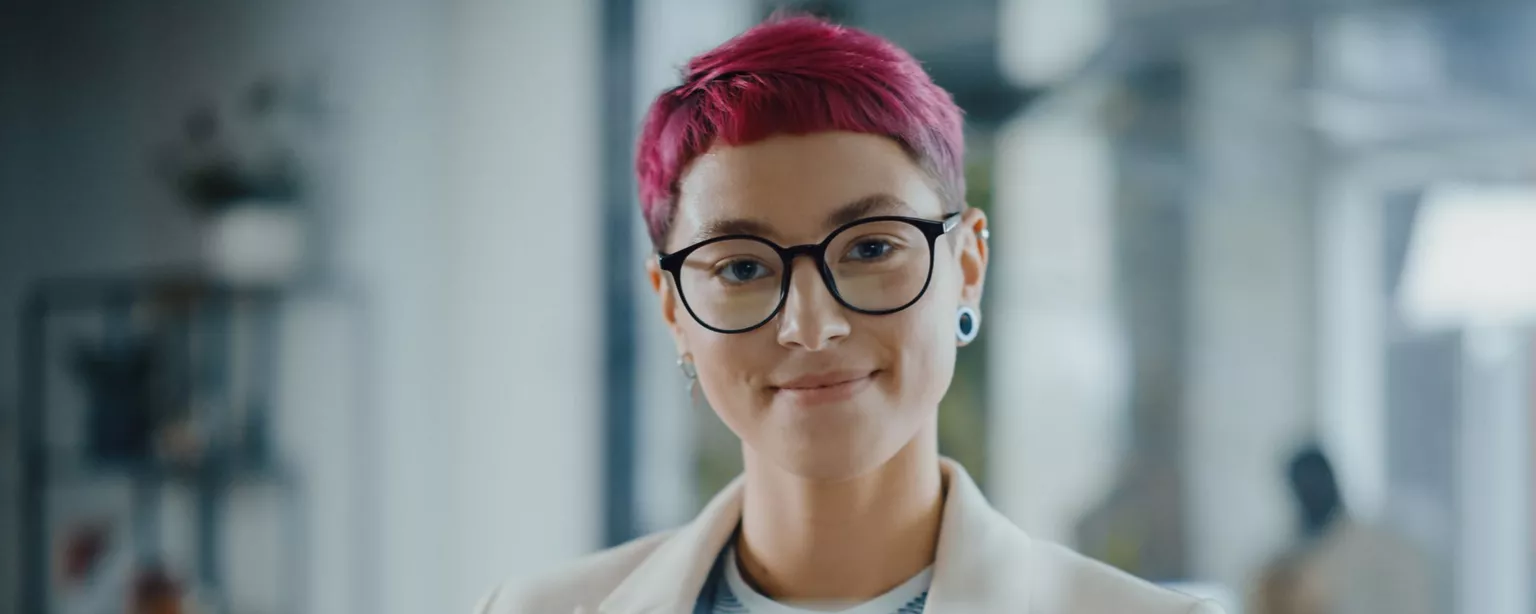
874,266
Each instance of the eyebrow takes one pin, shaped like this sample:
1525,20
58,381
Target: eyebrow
868,206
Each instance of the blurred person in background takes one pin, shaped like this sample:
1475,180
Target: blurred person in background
818,268
1338,564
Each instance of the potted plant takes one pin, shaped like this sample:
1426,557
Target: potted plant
238,170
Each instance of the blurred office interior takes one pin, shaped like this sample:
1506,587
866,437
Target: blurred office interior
339,307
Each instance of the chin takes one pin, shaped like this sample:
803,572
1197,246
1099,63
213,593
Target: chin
833,454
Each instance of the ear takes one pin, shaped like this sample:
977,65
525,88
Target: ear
973,255
666,293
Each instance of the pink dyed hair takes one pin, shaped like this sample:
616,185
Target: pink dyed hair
797,75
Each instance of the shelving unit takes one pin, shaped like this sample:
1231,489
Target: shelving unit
232,449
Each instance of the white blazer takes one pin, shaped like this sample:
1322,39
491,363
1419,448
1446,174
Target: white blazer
984,564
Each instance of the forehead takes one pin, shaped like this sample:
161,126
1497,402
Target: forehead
790,184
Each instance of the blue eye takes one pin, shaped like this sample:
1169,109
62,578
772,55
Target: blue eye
742,271
870,249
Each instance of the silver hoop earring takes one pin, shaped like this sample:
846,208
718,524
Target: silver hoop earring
690,371
967,324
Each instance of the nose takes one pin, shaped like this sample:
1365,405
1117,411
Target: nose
811,319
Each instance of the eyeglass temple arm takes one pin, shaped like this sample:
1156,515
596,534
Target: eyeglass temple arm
953,220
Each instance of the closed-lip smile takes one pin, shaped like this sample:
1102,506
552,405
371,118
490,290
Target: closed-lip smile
826,387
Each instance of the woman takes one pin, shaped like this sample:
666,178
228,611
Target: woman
818,268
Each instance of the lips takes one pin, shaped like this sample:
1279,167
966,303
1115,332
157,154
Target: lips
822,380
821,388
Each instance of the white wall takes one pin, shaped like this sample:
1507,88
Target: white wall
470,182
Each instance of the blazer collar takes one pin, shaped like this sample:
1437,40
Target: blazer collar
981,563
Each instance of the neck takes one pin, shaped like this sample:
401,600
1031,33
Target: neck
849,540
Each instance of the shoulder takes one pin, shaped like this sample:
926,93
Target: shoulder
581,584
1065,581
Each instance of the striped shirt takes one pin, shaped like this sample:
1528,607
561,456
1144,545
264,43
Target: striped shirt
726,592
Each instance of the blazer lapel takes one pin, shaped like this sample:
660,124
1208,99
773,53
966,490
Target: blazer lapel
669,580
982,562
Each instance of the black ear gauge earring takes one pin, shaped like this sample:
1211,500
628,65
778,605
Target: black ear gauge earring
967,324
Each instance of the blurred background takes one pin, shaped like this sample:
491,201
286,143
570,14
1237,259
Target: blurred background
338,307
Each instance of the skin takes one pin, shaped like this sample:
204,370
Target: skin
843,493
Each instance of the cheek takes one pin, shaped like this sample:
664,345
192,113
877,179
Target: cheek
729,367
922,342
936,312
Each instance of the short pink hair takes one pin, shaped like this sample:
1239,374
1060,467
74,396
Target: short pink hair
797,75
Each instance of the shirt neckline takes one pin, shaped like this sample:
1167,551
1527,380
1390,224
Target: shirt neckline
891,602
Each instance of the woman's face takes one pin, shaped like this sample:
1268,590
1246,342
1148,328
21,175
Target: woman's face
819,390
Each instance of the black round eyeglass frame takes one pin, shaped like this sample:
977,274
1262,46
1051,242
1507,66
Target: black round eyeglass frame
932,229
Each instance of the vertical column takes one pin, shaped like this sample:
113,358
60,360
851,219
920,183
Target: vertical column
1249,322
1493,566
525,283
390,201
1053,448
